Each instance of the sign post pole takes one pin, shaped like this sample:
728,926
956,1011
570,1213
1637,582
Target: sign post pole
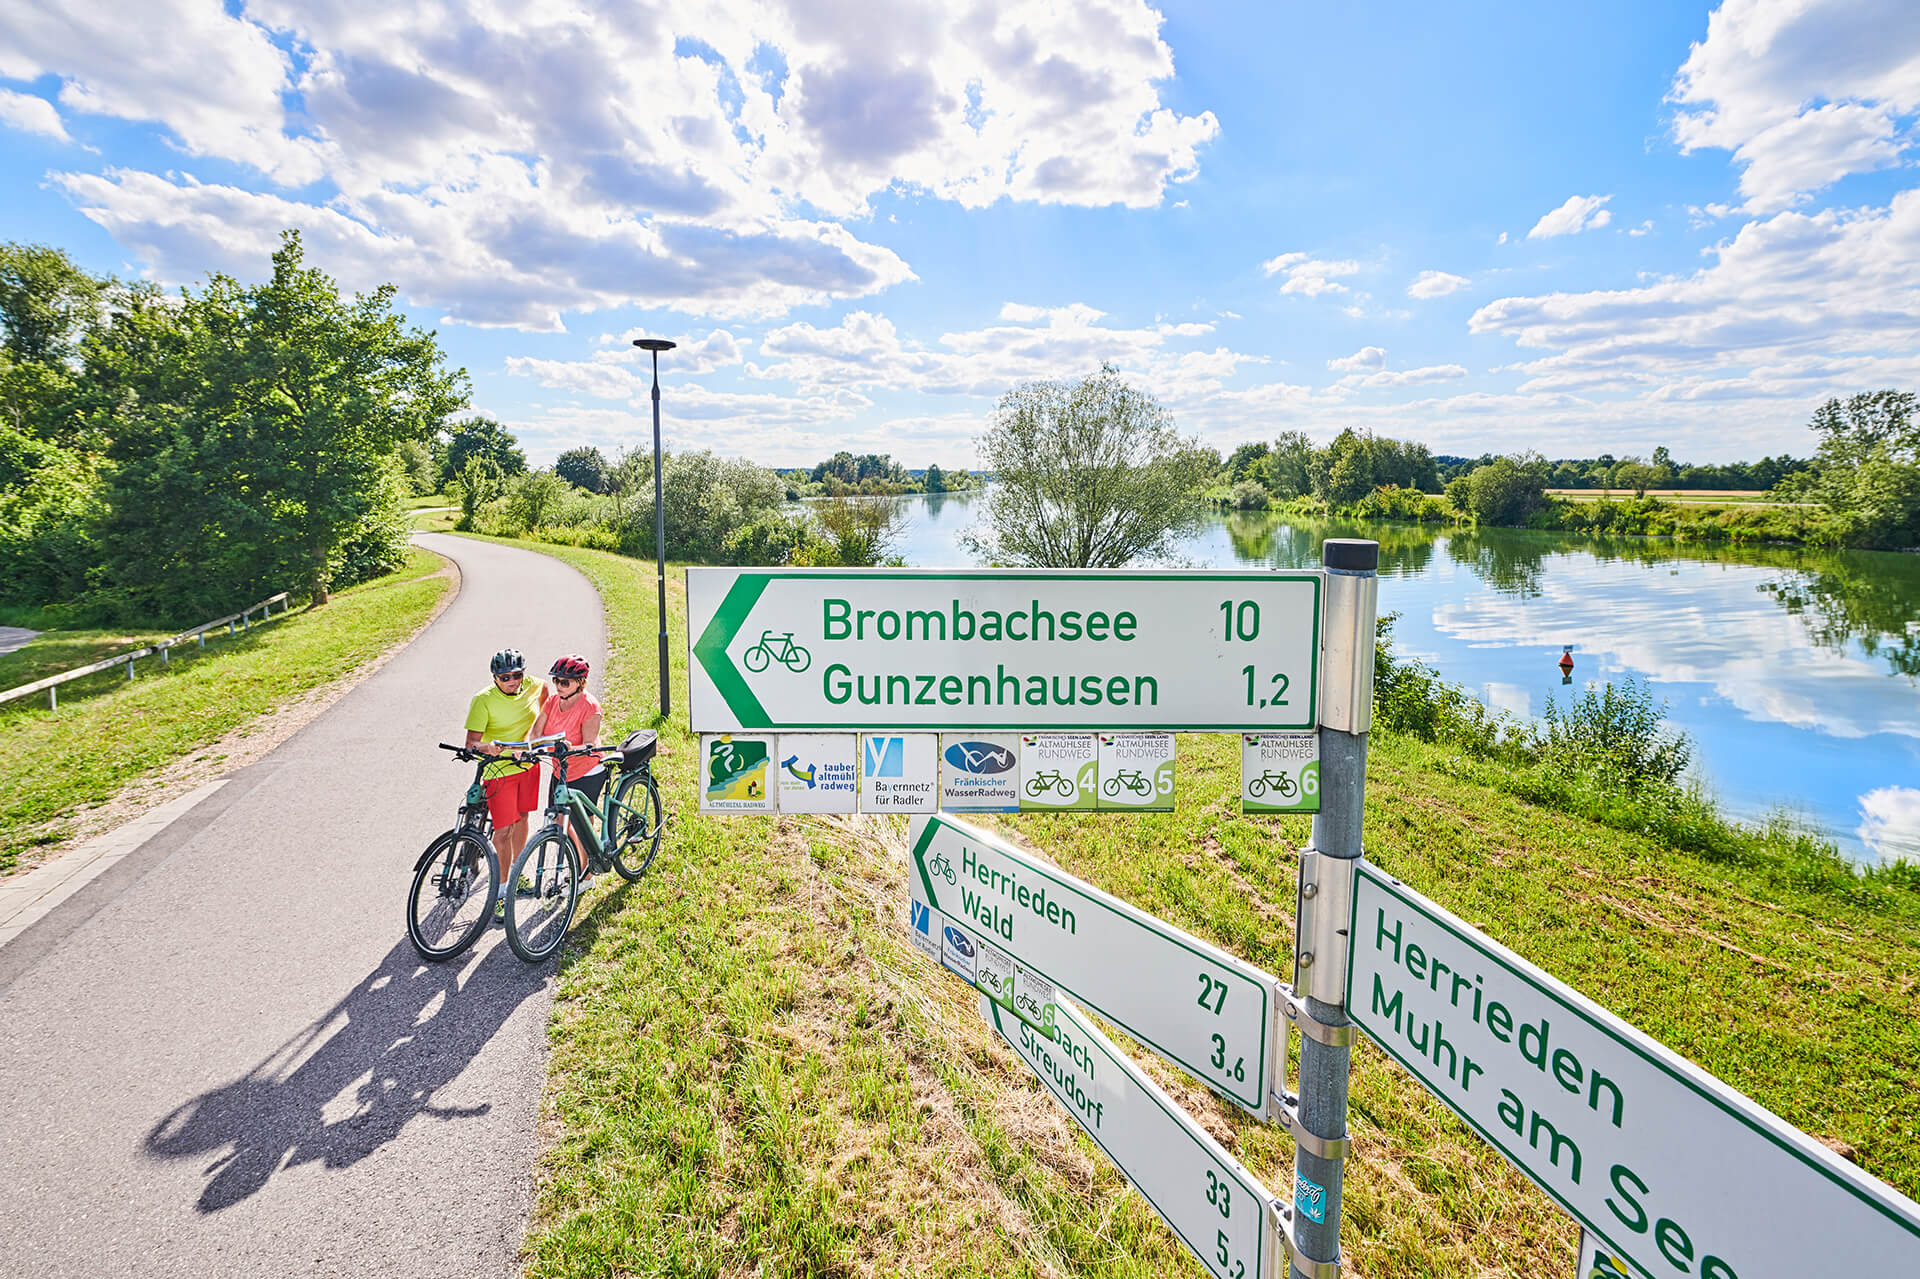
1326,886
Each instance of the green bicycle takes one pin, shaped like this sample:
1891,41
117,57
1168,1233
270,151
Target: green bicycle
622,835
455,880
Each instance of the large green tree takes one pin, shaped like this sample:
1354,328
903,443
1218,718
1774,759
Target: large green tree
1868,469
1090,474
49,474
482,437
584,468
257,443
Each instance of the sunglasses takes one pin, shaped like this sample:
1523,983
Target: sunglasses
513,678
561,681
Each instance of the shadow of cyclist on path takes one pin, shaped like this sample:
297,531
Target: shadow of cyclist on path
338,1091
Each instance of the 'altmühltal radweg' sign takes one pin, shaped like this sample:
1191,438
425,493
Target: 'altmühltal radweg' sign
845,678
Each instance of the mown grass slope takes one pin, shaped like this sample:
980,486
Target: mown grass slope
753,1072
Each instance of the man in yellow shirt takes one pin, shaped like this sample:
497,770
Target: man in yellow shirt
504,713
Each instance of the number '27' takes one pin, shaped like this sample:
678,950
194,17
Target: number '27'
1213,994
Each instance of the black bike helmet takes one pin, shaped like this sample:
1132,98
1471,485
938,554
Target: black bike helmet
572,666
506,661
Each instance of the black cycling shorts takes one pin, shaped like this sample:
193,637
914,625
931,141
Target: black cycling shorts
591,785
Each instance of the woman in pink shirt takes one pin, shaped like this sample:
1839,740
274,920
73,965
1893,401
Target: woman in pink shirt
572,710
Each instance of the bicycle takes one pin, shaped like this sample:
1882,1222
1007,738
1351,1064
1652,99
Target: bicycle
1282,785
1039,783
1131,778
776,648
941,866
456,878
622,835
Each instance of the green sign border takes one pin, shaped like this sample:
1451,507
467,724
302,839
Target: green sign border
1260,1200
1575,1003
710,649
935,820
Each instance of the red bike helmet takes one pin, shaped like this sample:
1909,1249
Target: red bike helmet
572,666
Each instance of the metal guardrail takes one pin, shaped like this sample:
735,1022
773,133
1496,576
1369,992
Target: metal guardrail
51,684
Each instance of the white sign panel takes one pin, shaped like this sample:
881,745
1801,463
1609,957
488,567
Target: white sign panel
1136,772
844,649
899,773
1059,772
1280,772
1210,1201
818,772
1598,1262
980,772
1193,1003
1673,1173
736,773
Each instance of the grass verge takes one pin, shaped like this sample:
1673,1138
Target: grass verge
752,1072
108,732
53,651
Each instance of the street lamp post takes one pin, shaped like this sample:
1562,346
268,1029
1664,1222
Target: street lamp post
657,345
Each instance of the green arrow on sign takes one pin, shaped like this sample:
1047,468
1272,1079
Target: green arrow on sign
711,650
927,833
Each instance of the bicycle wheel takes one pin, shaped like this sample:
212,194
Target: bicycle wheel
638,824
537,919
798,659
452,895
1066,787
1112,786
757,651
1257,787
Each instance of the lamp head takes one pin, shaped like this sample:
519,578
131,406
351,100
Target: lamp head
653,344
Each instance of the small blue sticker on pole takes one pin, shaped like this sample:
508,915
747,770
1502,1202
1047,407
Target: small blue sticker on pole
1310,1199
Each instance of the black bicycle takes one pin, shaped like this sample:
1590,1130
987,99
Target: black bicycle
458,876
622,835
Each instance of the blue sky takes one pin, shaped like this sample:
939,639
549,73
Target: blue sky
1570,228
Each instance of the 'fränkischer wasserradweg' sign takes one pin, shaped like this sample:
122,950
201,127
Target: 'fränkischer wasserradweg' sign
1678,1174
845,650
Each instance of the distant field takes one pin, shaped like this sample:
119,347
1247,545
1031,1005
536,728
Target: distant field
1757,497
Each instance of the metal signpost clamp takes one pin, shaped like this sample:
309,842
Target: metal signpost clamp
1325,899
1305,1267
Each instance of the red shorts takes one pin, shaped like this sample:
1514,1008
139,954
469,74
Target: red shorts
511,798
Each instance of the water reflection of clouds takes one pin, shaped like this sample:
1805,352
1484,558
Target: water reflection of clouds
1512,698
1708,624
1890,822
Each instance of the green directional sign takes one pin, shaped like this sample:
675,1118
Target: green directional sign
1216,1207
1199,1007
844,650
1670,1171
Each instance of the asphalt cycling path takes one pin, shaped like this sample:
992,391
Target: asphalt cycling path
230,1061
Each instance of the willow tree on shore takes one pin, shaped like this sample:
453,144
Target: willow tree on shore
1087,474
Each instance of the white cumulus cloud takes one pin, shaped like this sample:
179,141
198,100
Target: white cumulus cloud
1436,284
512,164
1797,307
29,114
1802,92
1367,357
1579,213
1308,274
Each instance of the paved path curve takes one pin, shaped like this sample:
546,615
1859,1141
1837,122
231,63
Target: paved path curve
226,1058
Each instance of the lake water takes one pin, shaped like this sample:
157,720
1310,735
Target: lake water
1795,672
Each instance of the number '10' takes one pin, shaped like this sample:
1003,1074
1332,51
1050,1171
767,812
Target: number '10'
1242,622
